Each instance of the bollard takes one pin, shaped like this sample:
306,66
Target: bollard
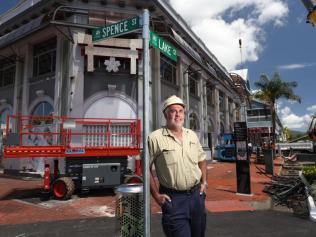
129,210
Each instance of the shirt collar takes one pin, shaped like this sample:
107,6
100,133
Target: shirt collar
167,132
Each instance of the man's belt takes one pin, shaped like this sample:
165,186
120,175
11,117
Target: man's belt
175,191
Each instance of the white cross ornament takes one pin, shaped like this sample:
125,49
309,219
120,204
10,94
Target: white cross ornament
112,65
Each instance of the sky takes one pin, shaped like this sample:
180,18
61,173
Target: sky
275,38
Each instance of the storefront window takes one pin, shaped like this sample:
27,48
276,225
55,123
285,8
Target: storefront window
209,93
44,58
7,72
168,70
221,102
210,127
194,83
43,109
194,122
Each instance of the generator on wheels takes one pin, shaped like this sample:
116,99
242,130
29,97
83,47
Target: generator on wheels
226,150
78,153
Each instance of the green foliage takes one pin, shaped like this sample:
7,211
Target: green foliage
287,133
310,172
270,90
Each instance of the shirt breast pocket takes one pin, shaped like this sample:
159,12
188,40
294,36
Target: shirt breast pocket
169,156
193,152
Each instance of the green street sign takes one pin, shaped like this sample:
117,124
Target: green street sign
116,29
166,48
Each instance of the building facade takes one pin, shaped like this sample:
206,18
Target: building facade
259,124
49,65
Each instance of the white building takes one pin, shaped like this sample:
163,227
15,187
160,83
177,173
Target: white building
50,65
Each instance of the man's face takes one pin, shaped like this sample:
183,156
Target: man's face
174,116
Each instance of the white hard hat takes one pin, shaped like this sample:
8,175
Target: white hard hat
172,100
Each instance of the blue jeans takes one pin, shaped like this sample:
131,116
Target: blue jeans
185,215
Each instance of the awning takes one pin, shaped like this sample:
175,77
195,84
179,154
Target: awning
21,32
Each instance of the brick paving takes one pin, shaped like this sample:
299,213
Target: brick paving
20,200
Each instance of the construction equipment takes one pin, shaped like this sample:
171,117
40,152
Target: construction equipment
226,150
304,150
95,150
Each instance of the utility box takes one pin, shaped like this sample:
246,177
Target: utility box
101,175
129,210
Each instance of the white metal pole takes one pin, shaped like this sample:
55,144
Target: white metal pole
145,160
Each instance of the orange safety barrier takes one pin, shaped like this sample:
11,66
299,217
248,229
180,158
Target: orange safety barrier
55,136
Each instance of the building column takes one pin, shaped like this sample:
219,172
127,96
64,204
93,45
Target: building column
186,98
75,92
201,111
18,80
180,71
63,64
226,113
243,112
217,115
156,89
205,131
27,73
58,76
23,106
234,112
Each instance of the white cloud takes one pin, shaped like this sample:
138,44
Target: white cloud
272,12
312,109
295,66
293,121
279,104
221,23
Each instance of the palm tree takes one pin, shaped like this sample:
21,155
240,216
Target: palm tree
270,90
287,133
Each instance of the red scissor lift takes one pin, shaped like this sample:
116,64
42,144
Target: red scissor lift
95,150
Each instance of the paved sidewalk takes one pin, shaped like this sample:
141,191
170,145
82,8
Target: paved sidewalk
20,197
225,224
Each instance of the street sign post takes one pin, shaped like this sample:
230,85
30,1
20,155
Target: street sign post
164,46
121,28
146,105
116,29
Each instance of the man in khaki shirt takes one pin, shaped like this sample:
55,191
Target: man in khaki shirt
180,166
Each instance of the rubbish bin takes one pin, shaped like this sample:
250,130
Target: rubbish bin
268,160
129,210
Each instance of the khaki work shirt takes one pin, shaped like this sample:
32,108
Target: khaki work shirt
176,163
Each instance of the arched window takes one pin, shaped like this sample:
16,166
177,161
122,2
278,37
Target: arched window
194,122
3,115
43,109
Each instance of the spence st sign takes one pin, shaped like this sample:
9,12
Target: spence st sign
116,29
